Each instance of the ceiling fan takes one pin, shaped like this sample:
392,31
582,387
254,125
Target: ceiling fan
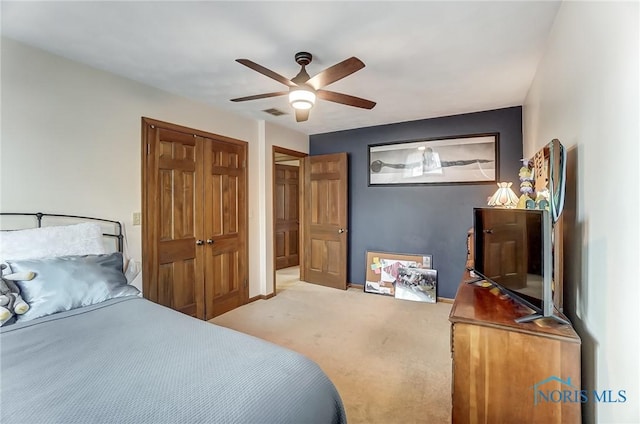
303,89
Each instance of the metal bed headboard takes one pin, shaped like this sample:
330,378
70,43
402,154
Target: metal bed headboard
117,233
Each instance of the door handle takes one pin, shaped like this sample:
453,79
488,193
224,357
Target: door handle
342,230
199,242
209,241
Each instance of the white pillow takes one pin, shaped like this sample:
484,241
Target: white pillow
66,240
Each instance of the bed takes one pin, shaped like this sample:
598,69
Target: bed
128,360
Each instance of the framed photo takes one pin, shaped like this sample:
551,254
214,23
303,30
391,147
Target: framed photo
468,159
383,269
417,284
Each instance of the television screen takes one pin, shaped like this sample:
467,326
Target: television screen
513,250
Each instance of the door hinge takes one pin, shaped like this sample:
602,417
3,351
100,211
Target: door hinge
148,148
244,163
246,283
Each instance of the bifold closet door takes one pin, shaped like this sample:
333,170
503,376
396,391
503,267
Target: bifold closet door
173,253
225,223
194,229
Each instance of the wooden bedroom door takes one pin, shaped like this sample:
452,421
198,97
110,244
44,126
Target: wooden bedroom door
325,220
184,217
287,222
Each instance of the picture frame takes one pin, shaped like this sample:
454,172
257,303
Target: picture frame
417,284
463,159
383,269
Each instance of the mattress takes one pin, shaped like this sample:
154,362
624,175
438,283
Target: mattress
128,360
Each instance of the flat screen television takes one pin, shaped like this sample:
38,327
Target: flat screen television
513,250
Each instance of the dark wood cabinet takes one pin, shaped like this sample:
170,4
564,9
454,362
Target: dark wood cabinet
509,372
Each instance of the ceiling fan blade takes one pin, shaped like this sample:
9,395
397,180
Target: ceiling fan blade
267,72
260,96
336,72
345,99
302,115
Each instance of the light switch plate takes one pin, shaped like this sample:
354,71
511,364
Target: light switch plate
137,218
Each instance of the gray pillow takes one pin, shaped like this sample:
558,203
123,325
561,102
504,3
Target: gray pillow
68,282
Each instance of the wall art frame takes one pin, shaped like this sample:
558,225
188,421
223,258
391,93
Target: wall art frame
384,268
417,284
461,159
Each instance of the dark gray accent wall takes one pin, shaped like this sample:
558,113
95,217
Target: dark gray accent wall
419,219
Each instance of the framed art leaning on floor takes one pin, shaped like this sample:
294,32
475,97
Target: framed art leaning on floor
384,269
417,284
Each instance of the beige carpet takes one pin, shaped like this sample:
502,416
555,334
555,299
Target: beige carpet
389,359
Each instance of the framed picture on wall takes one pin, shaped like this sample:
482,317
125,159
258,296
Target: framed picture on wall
469,159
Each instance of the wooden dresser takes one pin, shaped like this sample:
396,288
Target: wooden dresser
508,372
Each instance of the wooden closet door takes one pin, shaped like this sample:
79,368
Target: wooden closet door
172,220
225,223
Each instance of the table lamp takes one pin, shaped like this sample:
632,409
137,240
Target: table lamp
504,196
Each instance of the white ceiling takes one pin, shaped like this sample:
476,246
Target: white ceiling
423,58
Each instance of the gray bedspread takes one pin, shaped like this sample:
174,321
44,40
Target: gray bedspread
129,360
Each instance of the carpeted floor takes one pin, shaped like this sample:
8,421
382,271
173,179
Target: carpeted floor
389,359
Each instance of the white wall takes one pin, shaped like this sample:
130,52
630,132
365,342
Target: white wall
586,94
71,143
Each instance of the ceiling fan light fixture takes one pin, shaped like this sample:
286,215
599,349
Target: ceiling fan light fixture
302,98
303,90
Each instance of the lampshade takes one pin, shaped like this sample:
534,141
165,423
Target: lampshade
302,97
504,196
